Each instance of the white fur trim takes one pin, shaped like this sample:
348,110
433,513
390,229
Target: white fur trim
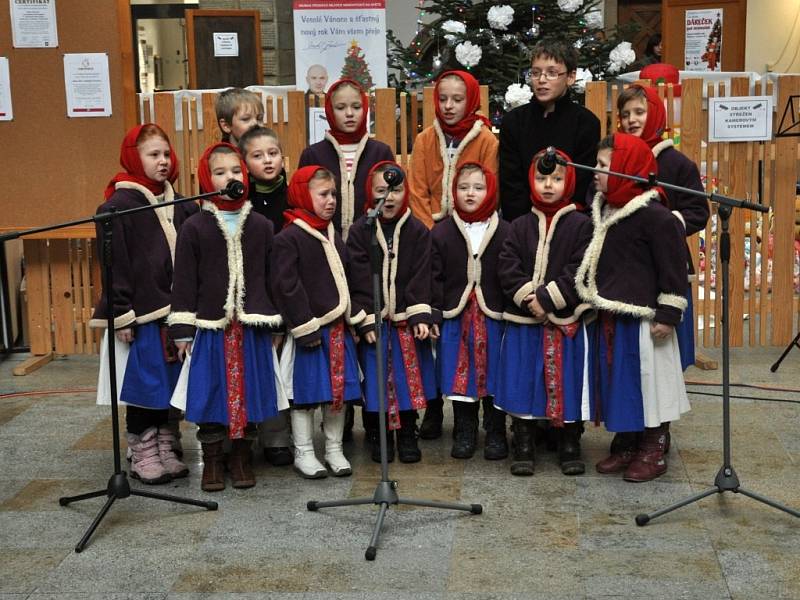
258,320
449,166
182,318
673,300
662,145
543,246
121,322
306,328
155,315
368,321
522,292
416,309
166,214
680,218
522,319
555,295
357,318
347,195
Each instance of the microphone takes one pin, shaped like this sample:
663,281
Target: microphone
393,176
233,190
548,163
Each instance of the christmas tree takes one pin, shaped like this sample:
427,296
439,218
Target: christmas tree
355,67
493,42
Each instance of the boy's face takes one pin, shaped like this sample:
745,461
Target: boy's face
452,99
317,80
347,109
323,197
470,191
244,119
264,158
603,162
550,187
393,201
548,91
224,167
633,116
156,158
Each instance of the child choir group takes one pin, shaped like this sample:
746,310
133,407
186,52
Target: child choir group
553,298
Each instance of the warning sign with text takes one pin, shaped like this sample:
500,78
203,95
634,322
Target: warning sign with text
741,119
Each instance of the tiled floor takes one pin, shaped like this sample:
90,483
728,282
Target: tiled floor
548,536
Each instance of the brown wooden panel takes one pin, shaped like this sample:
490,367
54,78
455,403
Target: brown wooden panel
297,134
595,101
211,130
385,117
404,130
61,294
428,113
38,290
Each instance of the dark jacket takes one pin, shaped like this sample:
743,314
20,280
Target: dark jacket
143,248
351,195
405,276
533,261
634,264
525,130
456,271
221,276
309,280
271,204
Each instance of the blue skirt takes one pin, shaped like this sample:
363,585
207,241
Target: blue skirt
149,379
447,355
521,386
312,372
367,358
685,331
207,389
620,385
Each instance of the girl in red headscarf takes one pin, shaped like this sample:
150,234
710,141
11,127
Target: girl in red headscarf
634,273
347,151
642,114
319,363
405,303
144,251
223,321
543,359
459,134
468,308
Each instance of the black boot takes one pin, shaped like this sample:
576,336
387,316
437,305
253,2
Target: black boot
494,423
431,427
407,449
465,429
569,449
349,420
523,446
373,438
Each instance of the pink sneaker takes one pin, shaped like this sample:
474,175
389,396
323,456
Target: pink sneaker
166,451
146,462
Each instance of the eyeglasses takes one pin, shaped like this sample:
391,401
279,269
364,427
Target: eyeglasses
536,75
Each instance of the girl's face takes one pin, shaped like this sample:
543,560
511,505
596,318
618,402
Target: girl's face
348,110
224,168
264,158
603,162
393,201
633,116
550,187
452,99
156,158
323,197
470,191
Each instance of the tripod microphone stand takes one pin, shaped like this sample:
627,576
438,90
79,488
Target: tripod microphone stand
118,486
386,490
726,479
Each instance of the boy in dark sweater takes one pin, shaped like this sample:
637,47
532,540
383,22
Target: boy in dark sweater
552,119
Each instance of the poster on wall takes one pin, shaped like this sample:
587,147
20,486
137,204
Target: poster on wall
87,84
337,39
6,111
33,24
703,43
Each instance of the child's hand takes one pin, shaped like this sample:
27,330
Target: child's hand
354,333
534,307
370,337
184,349
421,331
125,335
661,331
277,340
435,333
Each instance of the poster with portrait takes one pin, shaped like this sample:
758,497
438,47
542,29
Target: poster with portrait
703,42
337,39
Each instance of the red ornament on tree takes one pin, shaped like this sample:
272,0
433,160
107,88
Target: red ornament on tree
356,68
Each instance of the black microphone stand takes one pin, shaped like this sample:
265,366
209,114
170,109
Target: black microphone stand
386,490
118,486
726,479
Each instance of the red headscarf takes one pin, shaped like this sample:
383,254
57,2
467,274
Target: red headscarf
663,73
371,201
299,197
569,187
632,157
204,175
134,171
462,127
339,135
656,121
489,204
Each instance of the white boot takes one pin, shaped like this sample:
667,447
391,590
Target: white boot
333,425
305,461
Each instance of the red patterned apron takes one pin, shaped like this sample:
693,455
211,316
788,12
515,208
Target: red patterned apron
408,351
472,319
234,373
553,369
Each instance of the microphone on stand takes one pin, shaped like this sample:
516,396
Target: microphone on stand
233,190
393,176
548,163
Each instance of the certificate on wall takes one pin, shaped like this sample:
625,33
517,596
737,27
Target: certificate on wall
33,23
6,111
87,85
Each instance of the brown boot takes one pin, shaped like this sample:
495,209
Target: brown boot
213,467
649,461
623,450
240,464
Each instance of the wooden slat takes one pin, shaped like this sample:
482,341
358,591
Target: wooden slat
196,147
614,115
76,286
185,176
38,291
427,107
147,111
385,120
595,101
485,100
404,130
711,153
61,294
29,365
165,114
211,132
415,129
295,139
85,293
